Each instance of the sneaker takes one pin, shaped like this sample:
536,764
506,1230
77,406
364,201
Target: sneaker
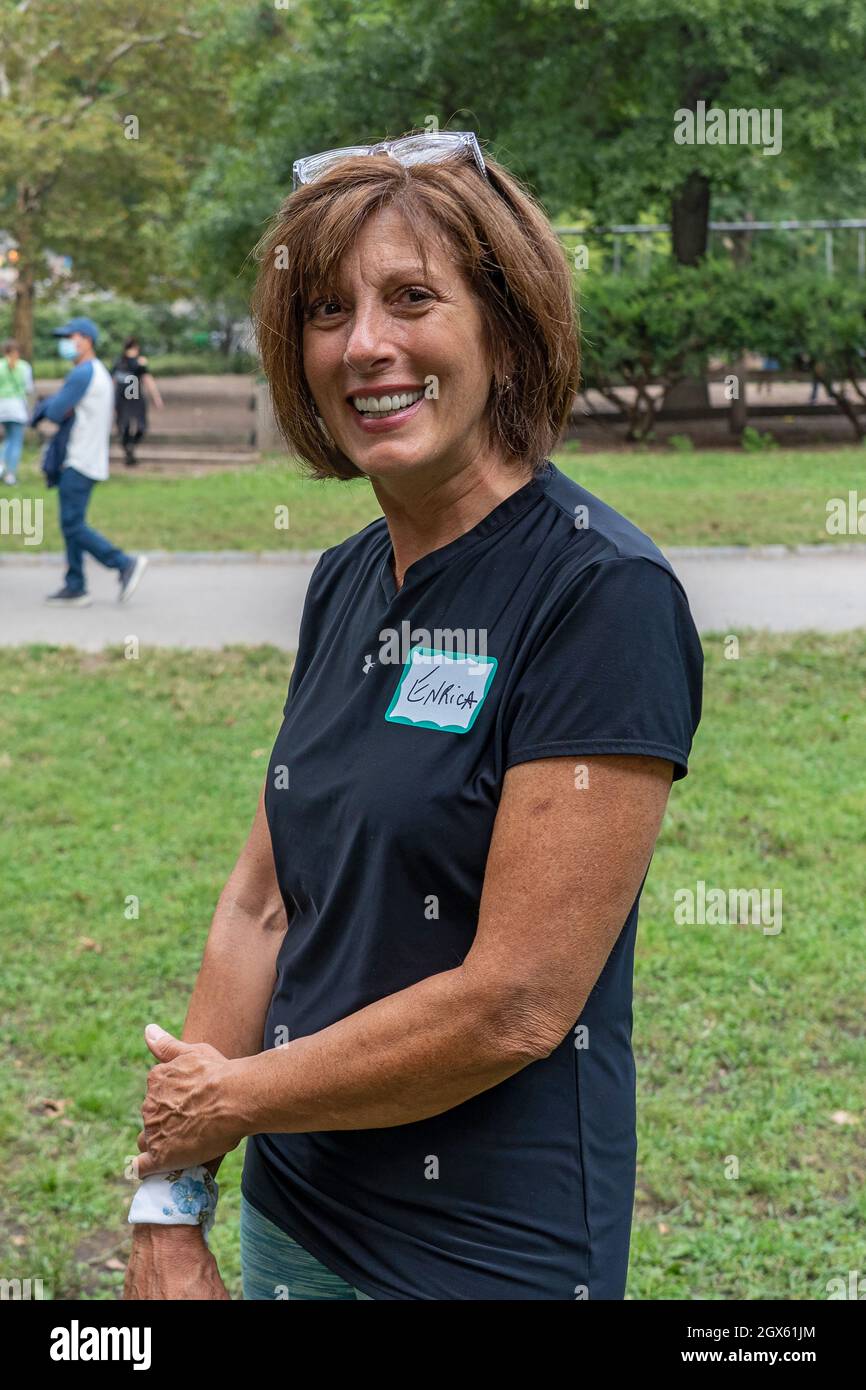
131,577
70,598
8,478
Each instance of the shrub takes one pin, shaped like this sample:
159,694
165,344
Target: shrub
650,332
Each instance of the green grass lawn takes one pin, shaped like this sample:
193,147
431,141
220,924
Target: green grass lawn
689,498
117,778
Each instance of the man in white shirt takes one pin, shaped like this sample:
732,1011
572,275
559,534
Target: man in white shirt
88,392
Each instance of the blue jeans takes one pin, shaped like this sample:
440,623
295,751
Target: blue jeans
74,490
274,1266
13,444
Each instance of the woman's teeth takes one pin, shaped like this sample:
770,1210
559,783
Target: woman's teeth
380,406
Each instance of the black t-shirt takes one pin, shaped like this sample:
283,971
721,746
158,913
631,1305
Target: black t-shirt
382,790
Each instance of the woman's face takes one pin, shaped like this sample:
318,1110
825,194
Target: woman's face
384,330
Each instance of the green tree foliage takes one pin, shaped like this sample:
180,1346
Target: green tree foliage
581,103
104,112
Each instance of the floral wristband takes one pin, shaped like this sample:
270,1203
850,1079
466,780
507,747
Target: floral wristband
183,1197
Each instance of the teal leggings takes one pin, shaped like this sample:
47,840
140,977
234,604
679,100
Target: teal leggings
274,1266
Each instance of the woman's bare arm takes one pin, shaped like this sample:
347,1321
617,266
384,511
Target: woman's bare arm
564,868
227,1009
152,389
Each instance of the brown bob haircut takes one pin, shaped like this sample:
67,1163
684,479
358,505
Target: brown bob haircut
505,248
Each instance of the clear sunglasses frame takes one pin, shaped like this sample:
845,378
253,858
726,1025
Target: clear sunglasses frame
409,149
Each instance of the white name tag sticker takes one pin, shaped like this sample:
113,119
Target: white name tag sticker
441,691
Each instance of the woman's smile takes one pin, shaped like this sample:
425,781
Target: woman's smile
385,408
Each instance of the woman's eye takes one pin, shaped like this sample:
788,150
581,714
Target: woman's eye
319,308
325,308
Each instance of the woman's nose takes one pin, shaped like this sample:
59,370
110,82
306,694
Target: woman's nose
368,338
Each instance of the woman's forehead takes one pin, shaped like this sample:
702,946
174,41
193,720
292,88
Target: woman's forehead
387,245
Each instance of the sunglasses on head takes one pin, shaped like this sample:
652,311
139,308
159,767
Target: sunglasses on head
409,149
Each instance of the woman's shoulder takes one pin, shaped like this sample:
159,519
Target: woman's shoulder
610,603
590,541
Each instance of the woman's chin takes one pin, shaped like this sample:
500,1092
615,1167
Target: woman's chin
386,457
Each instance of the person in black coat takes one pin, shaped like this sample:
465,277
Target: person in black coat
133,384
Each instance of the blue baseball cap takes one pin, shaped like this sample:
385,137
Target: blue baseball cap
79,325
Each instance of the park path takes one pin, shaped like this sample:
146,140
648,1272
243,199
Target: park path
210,600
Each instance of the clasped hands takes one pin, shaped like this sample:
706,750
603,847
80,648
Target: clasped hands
187,1112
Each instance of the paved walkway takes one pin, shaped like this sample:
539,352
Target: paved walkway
210,600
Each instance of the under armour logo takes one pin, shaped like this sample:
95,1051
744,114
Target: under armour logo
369,664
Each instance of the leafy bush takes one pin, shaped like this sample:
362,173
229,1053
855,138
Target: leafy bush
754,442
166,365
651,332
161,331
817,323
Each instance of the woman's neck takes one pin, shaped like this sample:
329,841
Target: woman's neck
423,518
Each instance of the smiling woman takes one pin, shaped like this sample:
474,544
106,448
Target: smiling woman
467,273
415,1000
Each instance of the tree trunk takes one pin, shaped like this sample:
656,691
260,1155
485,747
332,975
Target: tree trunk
690,226
27,206
22,318
690,219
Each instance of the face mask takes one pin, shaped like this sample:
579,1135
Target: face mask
67,349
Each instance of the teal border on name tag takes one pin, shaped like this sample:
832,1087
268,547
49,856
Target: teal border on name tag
489,661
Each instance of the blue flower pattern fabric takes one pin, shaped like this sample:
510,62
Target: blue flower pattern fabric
191,1197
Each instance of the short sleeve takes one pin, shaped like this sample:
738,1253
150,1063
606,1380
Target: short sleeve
614,666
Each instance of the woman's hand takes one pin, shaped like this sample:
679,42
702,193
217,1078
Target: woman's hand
171,1262
187,1111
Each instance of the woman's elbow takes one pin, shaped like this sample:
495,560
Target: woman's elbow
516,1022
